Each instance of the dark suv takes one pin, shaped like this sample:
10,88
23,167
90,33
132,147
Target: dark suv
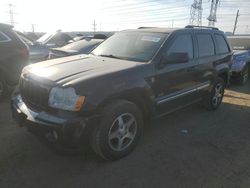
105,97
14,56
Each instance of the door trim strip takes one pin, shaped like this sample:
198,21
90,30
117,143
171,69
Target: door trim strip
172,96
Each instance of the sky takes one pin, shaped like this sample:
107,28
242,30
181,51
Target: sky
115,15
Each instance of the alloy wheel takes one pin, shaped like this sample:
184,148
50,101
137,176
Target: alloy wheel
122,132
218,94
245,76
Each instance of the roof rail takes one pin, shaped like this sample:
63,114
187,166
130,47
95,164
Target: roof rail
202,27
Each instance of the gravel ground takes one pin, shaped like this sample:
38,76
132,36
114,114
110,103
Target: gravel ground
189,148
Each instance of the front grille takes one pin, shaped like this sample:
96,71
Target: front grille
34,94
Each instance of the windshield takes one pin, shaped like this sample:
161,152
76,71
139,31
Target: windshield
79,45
134,46
45,37
239,43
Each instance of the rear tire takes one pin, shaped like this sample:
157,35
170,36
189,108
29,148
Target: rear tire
214,98
119,130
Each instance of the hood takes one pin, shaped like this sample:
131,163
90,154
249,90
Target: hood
239,52
74,67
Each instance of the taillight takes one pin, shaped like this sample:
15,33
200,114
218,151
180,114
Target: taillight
24,52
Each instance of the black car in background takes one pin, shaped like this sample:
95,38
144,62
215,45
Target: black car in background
14,55
84,46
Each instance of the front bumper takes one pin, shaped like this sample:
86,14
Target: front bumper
66,129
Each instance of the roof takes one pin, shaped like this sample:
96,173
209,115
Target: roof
170,30
155,29
2,25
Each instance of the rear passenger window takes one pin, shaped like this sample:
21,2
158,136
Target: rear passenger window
182,44
205,44
222,46
3,37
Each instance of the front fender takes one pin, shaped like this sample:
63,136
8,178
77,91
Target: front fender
126,84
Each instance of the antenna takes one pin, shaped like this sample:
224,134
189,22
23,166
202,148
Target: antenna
196,13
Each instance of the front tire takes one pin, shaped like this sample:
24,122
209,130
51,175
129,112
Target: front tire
214,99
118,131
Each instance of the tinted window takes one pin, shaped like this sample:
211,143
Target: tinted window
182,44
3,37
25,40
205,44
221,44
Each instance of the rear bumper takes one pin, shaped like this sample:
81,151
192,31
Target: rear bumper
68,130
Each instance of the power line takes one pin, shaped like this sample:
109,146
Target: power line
196,13
212,16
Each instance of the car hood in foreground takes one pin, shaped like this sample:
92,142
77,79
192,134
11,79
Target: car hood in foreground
79,66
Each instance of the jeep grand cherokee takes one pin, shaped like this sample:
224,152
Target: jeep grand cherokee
105,97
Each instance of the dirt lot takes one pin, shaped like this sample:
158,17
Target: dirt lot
189,148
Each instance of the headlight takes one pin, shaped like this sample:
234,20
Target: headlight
66,99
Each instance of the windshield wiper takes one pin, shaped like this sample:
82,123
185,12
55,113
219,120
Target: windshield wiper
110,55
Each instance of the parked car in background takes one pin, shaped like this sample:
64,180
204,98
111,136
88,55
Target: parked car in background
37,51
55,39
84,46
32,35
14,55
96,36
241,58
105,97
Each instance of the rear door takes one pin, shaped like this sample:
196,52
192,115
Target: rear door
211,55
175,84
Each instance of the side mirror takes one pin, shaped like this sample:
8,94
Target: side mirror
175,58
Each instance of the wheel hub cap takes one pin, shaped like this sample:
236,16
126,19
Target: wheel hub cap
122,132
217,95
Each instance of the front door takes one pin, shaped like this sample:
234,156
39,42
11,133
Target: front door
176,83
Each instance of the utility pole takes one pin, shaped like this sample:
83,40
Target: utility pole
236,21
33,28
212,16
196,13
11,14
94,26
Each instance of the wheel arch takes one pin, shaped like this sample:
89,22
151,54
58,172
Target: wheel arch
138,97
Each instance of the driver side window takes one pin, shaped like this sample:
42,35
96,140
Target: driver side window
182,44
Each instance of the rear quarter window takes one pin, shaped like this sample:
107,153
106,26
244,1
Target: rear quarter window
222,46
4,37
205,45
